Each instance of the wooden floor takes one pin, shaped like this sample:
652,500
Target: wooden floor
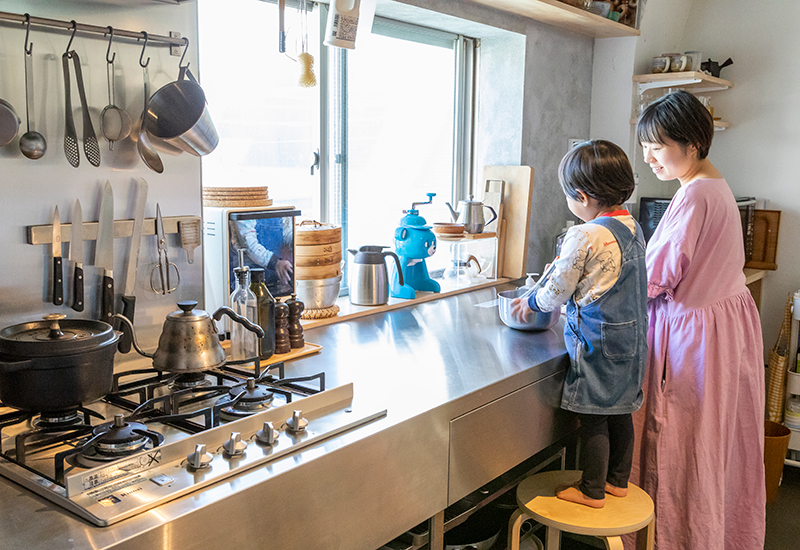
783,515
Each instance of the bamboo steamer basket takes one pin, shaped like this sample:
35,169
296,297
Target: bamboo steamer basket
318,250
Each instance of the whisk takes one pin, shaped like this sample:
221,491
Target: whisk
307,78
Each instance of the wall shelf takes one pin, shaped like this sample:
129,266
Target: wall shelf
558,14
691,81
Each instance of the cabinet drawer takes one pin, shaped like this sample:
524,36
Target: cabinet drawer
492,439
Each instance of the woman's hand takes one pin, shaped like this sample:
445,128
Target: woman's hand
284,270
520,309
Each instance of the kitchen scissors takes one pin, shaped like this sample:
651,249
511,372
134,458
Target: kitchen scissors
160,279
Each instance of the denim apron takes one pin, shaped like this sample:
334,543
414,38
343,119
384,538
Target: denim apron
607,339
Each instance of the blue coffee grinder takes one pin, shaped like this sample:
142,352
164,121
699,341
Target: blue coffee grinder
414,242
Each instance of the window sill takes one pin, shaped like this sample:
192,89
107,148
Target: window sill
348,311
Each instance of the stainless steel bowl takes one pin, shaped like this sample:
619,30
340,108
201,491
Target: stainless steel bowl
536,319
319,293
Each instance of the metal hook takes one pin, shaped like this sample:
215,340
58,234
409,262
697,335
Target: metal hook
141,56
108,51
74,30
181,66
28,48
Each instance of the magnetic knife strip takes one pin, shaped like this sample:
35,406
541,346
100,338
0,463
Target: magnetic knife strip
43,234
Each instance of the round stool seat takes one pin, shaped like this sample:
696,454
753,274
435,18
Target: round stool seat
536,497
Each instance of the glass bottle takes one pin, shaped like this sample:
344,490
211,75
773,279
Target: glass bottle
265,306
244,342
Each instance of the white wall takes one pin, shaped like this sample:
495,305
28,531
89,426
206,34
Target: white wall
757,154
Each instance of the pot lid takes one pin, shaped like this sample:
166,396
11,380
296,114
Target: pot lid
55,335
187,312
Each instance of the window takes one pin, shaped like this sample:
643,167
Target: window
392,118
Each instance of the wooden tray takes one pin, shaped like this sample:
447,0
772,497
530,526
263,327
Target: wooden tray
308,349
766,226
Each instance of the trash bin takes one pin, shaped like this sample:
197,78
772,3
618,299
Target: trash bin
776,443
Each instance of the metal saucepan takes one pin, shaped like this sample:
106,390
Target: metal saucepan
57,363
9,123
189,340
536,320
178,114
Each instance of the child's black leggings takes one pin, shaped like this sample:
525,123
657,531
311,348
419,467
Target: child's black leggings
606,452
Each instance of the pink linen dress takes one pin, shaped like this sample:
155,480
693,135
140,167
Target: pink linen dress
703,434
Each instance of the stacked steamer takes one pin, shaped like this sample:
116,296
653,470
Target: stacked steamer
318,267
236,197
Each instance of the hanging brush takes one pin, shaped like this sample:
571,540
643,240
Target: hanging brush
307,78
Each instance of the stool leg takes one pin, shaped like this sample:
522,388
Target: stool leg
613,543
553,538
514,525
646,540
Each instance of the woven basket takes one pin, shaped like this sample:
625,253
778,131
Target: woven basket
778,365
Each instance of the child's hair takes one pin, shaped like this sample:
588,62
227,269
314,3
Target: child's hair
599,169
680,117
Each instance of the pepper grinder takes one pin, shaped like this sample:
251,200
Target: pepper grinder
296,308
282,344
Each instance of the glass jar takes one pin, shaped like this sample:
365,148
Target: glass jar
265,307
244,342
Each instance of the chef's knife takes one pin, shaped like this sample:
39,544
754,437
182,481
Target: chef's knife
104,252
128,297
76,256
58,275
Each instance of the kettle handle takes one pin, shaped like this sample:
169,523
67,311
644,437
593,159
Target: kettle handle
399,269
224,310
494,214
129,325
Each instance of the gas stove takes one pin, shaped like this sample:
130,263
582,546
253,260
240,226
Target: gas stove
159,436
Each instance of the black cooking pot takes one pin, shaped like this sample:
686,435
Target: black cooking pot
56,363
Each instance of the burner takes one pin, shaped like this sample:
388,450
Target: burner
116,439
190,380
52,419
255,398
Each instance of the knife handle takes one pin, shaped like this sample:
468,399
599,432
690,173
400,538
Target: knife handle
107,300
128,308
77,289
58,282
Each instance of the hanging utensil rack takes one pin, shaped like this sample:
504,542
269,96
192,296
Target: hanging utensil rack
94,29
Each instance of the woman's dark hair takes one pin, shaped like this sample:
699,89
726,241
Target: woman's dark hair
598,168
678,116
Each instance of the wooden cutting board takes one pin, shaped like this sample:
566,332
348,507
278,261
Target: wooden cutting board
493,196
516,203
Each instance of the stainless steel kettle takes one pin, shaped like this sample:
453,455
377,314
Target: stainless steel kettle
189,340
369,277
470,213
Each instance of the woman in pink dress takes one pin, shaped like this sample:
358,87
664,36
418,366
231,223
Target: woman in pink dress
702,441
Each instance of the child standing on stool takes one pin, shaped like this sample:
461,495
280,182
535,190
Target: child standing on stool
601,273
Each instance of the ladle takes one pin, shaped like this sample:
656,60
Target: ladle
31,143
115,123
143,145
145,148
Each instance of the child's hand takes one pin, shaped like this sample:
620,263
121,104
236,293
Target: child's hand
520,309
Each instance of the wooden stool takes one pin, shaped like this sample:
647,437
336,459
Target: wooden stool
537,500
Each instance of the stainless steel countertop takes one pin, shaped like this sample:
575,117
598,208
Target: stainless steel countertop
427,364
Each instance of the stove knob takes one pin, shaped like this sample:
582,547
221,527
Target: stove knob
267,435
297,423
199,459
234,446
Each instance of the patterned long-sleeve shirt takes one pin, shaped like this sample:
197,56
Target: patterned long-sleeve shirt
588,265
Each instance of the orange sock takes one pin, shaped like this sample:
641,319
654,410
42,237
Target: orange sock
573,494
616,491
